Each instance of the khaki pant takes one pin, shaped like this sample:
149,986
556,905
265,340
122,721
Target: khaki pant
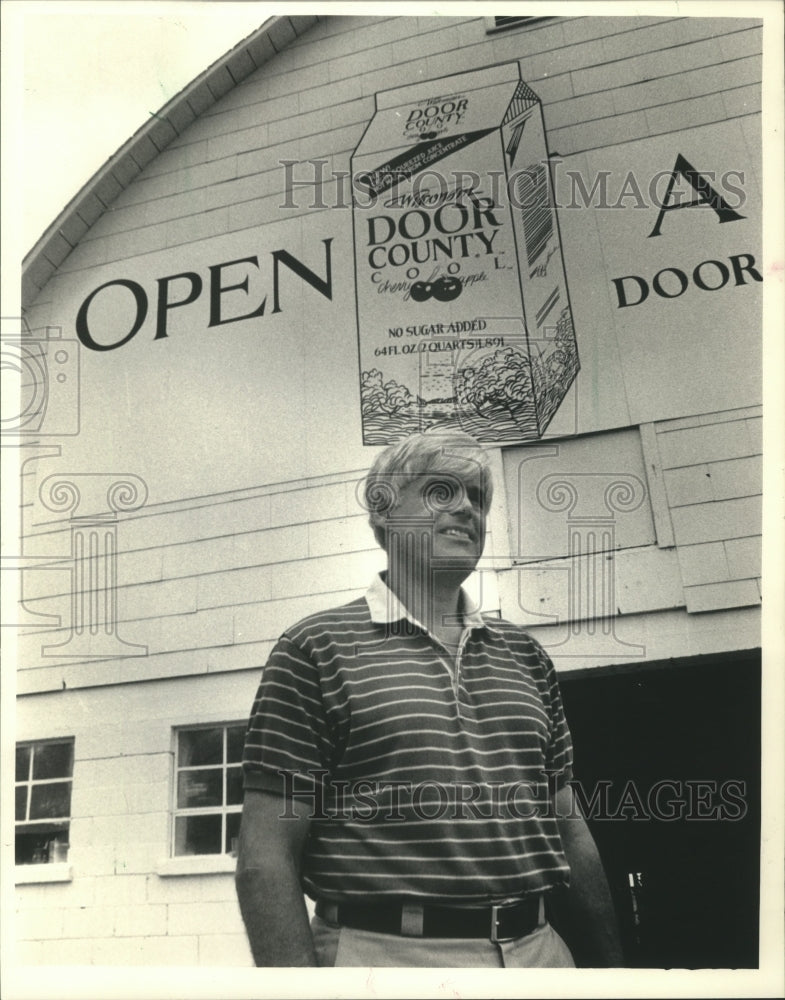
345,946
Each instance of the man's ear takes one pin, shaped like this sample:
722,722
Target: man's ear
377,524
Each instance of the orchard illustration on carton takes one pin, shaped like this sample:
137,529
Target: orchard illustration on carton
463,313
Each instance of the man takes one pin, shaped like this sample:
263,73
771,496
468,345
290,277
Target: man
407,761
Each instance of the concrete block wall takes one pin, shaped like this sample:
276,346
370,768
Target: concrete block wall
119,900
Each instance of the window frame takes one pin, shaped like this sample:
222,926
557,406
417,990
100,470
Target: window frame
50,868
492,26
174,860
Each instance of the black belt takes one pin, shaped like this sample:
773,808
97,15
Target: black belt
497,922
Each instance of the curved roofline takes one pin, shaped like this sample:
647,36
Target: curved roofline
86,207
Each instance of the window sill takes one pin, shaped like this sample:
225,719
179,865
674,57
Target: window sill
198,864
55,872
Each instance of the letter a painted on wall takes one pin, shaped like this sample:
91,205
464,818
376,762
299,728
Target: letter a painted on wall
706,195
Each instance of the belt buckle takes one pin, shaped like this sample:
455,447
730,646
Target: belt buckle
495,908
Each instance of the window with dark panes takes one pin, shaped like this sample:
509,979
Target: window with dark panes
208,789
503,23
43,801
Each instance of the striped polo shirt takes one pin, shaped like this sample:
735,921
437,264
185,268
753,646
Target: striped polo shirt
427,776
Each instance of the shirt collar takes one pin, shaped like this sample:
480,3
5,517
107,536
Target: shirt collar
386,607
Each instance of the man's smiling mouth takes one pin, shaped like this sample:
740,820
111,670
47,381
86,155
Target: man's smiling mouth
458,533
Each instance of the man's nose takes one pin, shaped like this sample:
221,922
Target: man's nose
463,503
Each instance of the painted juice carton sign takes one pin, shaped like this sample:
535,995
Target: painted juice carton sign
462,307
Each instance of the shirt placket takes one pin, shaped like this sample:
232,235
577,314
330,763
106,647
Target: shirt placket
453,667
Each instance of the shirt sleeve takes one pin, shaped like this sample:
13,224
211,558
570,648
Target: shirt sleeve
287,743
559,754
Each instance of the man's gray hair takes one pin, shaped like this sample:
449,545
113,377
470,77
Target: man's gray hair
452,452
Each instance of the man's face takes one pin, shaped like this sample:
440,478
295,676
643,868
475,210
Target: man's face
442,515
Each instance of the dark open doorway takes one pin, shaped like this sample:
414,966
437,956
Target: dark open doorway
671,752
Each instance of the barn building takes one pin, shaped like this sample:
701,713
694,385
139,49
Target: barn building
200,409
